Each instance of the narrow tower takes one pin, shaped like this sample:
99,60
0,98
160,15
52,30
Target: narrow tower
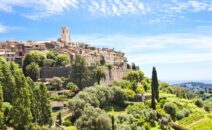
65,35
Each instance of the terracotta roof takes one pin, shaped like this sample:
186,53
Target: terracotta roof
56,104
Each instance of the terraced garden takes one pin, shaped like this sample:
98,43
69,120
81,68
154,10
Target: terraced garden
191,119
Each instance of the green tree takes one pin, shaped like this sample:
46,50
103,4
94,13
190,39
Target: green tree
99,74
1,109
199,103
59,119
7,81
155,84
45,107
146,84
33,71
109,67
35,100
51,55
79,72
113,122
48,62
56,83
71,86
33,56
62,60
134,75
153,104
21,112
94,119
133,66
102,60
170,108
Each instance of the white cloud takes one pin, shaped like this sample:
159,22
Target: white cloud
43,8
189,5
39,8
171,58
3,28
156,48
160,11
117,7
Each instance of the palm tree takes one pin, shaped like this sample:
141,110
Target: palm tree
99,74
109,66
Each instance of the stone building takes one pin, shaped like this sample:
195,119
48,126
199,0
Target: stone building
65,35
15,51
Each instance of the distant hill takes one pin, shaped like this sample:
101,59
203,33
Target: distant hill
194,85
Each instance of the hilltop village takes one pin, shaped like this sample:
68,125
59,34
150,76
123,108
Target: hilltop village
15,51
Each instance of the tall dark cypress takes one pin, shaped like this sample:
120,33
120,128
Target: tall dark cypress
155,83
155,91
113,122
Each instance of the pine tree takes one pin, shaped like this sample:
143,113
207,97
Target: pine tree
45,108
59,119
7,81
35,100
21,112
155,83
99,74
79,71
1,109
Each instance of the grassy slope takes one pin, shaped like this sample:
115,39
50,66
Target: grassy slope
204,124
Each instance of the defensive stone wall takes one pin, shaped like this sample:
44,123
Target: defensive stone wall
50,72
111,75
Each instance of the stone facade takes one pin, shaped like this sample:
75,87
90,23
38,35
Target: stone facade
111,75
50,72
15,51
65,35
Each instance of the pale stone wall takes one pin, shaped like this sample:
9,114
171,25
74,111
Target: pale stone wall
111,75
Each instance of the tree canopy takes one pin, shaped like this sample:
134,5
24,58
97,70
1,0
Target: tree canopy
79,72
33,71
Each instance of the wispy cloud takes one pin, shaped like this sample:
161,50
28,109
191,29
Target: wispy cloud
39,8
117,7
162,11
6,28
171,58
3,28
156,48
189,5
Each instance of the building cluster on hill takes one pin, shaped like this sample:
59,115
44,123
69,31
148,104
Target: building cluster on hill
15,51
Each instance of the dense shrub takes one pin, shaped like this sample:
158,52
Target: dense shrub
170,108
208,105
179,114
94,119
71,86
67,123
199,103
98,96
125,84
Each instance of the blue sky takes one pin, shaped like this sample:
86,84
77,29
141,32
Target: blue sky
173,35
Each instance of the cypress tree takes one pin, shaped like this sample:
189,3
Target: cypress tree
45,108
59,119
155,91
7,81
113,122
155,83
1,109
35,100
21,112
